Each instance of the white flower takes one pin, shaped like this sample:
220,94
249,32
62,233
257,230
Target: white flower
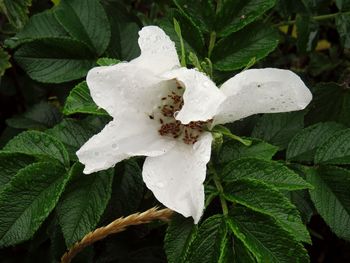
163,111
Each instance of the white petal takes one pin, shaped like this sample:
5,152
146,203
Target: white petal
266,90
131,134
121,86
201,98
176,178
158,52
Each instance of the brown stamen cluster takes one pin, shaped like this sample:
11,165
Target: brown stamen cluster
189,133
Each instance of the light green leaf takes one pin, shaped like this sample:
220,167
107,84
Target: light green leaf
4,61
304,144
83,203
38,144
179,236
267,241
55,60
86,21
80,101
279,128
10,164
335,150
212,239
236,51
264,199
235,15
331,197
270,172
41,116
16,11
107,61
28,200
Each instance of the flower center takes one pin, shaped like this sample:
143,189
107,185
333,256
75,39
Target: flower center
169,126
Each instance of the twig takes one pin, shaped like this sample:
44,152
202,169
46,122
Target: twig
116,226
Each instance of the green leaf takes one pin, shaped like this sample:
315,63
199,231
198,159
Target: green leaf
107,61
279,128
55,60
331,102
83,203
29,199
86,21
212,237
73,134
264,199
342,22
38,144
307,31
270,172
4,61
343,4
241,253
233,150
304,144
267,241
179,236
10,164
80,101
235,15
236,51
16,11
335,150
200,13
42,25
331,197
41,116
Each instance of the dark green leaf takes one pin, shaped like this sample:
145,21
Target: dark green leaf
211,243
16,11
83,203
342,22
233,150
236,51
304,144
307,31
279,128
264,199
335,150
241,253
80,101
235,15
55,60
269,172
331,197
10,164
343,4
38,144
267,241
28,200
179,236
4,61
41,116
86,21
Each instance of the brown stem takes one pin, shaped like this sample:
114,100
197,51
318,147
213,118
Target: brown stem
116,226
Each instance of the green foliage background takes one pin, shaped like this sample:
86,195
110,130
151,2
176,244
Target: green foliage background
285,198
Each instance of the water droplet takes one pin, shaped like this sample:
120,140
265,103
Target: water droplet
273,109
176,113
97,153
114,146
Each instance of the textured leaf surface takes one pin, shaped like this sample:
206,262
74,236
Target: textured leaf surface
16,11
4,61
336,150
10,164
304,144
86,21
80,101
211,243
264,199
269,172
179,236
264,238
236,51
41,184
279,128
55,60
342,22
235,15
38,144
83,203
331,197
41,116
